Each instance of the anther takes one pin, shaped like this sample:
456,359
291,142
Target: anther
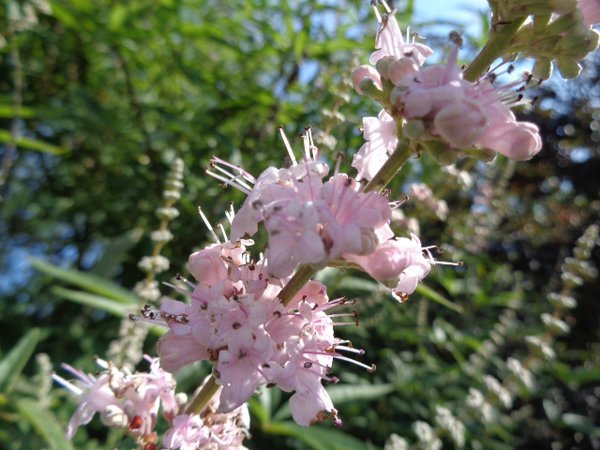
456,38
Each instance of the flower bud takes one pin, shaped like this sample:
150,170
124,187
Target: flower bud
113,416
366,79
207,266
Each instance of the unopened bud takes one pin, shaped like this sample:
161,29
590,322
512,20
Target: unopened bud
114,417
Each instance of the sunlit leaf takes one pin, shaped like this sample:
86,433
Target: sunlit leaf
44,423
91,283
316,437
15,360
32,144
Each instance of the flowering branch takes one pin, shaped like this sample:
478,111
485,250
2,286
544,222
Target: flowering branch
296,283
203,396
497,44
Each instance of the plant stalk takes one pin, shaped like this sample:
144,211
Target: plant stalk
494,48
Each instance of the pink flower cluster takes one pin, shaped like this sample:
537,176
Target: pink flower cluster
316,222
463,114
236,321
209,429
124,400
310,221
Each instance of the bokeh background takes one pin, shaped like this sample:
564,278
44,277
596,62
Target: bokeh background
98,99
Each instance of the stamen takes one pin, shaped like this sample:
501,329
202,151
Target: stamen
288,147
378,17
369,369
338,162
180,277
209,226
398,203
356,351
223,232
230,213
245,174
67,384
228,182
239,178
177,289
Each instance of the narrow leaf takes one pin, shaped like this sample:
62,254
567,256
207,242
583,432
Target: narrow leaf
344,394
115,250
44,423
95,301
9,111
15,360
32,144
434,296
317,438
91,283
103,304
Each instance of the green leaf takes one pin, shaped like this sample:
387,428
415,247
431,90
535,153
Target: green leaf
344,394
317,437
14,361
8,111
86,281
115,251
101,303
434,296
118,14
95,301
44,423
32,144
348,393
260,406
359,284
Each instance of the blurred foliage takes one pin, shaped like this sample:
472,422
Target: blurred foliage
104,95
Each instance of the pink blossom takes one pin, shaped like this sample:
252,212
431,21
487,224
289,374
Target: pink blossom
398,263
349,217
187,432
207,265
390,42
209,429
310,221
239,325
124,400
590,9
368,73
465,114
381,135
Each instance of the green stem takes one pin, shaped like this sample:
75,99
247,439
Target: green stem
203,396
391,167
494,48
300,278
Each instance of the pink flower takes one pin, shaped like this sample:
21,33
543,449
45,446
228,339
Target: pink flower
381,135
390,43
309,221
187,432
349,217
465,114
209,429
398,263
590,9
397,57
239,325
124,400
364,74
